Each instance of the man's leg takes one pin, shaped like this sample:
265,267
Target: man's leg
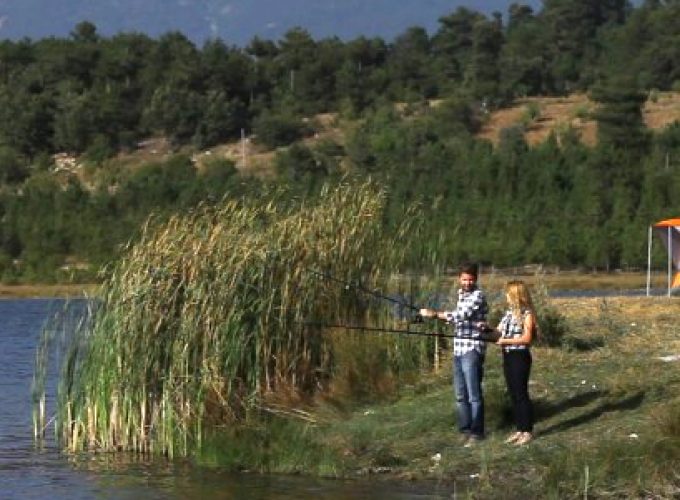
473,372
462,399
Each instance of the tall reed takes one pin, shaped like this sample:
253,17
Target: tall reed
211,311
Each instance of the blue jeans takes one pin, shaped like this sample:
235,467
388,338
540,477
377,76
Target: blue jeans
468,371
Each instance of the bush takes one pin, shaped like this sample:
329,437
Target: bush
276,130
99,150
12,168
582,111
531,113
552,324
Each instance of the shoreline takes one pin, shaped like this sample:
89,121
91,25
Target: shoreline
38,291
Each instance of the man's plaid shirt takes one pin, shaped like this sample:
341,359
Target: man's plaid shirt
470,309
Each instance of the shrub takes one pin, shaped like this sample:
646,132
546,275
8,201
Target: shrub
531,113
276,130
552,324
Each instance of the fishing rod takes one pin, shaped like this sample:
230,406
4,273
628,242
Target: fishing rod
357,286
487,336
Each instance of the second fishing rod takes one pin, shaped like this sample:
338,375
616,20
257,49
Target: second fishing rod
374,293
486,335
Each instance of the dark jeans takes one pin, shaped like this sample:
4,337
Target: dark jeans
516,367
468,371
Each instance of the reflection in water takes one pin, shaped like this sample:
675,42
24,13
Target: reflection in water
29,472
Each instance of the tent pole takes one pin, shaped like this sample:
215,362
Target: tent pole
649,260
670,259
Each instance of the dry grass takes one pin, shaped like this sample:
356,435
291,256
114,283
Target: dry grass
212,312
574,111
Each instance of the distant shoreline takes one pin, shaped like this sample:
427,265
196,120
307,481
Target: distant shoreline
557,281
34,291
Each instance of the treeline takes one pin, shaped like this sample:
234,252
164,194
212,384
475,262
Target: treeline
559,202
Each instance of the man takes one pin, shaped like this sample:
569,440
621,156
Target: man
468,352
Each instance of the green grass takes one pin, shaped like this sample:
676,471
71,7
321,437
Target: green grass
608,420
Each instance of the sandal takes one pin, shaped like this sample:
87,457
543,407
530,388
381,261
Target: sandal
513,437
524,438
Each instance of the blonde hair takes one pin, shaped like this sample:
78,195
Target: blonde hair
519,298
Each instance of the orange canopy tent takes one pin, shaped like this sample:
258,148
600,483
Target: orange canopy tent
668,231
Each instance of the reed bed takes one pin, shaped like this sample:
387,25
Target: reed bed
212,311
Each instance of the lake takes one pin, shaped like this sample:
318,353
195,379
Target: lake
29,472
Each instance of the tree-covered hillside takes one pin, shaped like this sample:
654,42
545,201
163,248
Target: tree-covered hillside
559,201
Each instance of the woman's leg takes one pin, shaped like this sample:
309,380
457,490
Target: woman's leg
517,367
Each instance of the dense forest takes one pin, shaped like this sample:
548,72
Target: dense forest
559,202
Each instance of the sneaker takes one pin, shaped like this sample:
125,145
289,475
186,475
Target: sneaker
524,438
472,441
513,437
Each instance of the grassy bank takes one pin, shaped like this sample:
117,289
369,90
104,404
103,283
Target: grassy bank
608,419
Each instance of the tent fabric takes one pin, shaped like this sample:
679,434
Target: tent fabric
668,231
668,223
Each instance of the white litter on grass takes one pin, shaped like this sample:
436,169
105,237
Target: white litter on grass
474,476
583,382
633,436
436,457
369,412
668,359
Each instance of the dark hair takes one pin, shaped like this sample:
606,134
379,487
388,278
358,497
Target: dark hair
468,268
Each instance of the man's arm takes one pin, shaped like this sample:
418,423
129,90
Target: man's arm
431,313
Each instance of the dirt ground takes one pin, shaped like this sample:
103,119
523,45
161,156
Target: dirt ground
555,114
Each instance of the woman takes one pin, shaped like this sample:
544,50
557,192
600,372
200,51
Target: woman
517,329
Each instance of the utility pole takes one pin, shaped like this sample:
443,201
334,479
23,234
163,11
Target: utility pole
244,153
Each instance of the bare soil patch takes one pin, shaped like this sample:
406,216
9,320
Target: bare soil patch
556,114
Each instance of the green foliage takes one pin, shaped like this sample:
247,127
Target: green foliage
100,150
557,202
277,129
531,113
12,166
299,163
619,117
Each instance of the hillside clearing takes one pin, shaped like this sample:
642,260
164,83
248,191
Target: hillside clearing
556,114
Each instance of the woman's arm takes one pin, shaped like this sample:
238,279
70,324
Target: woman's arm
527,333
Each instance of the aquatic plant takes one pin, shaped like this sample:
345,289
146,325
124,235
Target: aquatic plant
211,311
